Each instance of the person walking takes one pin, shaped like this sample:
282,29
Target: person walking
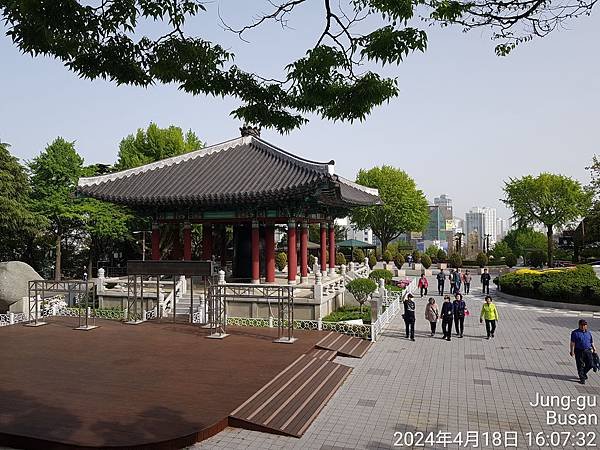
409,317
457,281
583,349
452,282
467,278
485,281
459,308
447,313
489,313
423,284
432,314
441,279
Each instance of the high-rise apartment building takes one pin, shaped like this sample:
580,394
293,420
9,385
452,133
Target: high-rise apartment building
482,220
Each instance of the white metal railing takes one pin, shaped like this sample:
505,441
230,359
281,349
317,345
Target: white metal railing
12,318
170,302
361,331
393,302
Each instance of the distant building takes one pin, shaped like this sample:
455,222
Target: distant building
353,232
482,220
501,228
436,227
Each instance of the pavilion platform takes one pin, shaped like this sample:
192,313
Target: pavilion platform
155,385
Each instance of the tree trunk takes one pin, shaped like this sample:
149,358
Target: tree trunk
57,268
89,264
384,244
550,242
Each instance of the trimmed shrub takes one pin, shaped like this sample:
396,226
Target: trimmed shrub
311,261
572,285
348,313
387,256
372,261
536,258
381,273
281,261
361,288
455,260
358,255
441,255
481,259
399,261
510,260
426,261
340,259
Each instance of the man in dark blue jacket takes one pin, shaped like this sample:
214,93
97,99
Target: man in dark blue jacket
582,347
409,317
458,309
447,314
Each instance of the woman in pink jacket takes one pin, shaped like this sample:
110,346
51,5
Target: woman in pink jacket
423,285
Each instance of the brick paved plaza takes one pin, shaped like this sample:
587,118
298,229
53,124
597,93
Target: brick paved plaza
432,385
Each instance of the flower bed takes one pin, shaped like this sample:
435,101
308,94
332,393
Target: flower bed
571,285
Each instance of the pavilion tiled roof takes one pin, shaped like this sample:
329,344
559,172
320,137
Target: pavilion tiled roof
240,171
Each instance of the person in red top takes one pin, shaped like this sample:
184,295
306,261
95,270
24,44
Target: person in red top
423,284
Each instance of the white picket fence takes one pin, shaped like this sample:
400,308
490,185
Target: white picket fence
393,302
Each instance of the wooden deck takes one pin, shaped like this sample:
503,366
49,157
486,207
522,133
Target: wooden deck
292,400
344,345
145,386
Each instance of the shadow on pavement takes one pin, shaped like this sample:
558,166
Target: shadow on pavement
527,373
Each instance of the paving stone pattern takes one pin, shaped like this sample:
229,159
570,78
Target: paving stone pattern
431,385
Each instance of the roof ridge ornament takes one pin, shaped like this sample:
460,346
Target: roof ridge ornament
249,130
331,167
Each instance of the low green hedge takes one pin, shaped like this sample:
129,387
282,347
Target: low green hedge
572,285
349,313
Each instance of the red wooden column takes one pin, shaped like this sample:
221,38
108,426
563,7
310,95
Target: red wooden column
331,249
292,253
155,241
255,253
304,253
177,252
187,241
207,241
270,253
323,262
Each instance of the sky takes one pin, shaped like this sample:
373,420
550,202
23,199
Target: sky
466,120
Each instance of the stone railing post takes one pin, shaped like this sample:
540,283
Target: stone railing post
367,266
343,270
351,266
11,318
319,324
318,288
221,277
382,290
100,281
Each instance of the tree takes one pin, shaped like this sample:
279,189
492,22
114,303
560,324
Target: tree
112,40
155,144
521,240
361,289
404,206
399,260
54,176
549,199
501,250
432,251
426,261
18,223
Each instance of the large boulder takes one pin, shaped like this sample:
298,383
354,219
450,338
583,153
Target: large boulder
14,278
